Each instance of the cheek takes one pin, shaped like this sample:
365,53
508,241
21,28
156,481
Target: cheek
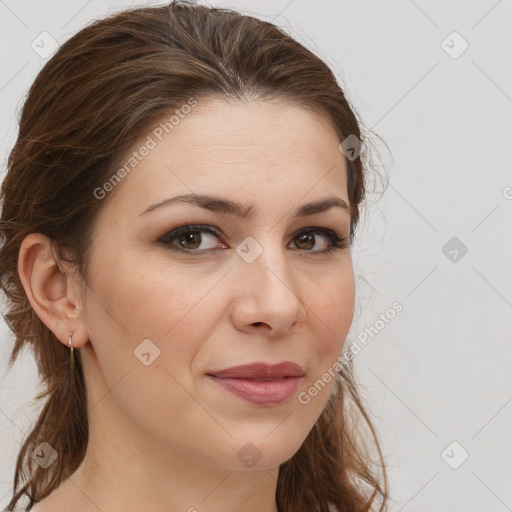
330,309
133,301
130,304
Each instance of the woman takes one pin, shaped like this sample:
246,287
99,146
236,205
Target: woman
177,219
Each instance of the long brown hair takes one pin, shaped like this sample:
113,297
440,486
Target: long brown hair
87,107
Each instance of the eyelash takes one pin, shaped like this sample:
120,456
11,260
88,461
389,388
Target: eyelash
167,239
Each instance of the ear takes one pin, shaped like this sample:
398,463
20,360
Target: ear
53,294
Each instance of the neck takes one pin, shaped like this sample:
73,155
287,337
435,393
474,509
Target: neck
127,469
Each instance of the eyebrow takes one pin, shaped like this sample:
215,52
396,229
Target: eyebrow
229,207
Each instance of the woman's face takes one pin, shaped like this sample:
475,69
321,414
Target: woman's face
164,312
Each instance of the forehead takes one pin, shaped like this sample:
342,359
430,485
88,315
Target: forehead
263,151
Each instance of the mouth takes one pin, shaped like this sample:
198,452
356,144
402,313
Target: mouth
261,371
260,383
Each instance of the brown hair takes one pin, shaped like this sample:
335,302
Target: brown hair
87,107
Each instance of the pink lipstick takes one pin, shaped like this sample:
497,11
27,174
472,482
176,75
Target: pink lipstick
260,383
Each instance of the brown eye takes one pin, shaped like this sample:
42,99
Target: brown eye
191,238
307,239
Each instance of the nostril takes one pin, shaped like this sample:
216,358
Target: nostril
261,324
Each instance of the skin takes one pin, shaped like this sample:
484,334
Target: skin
163,437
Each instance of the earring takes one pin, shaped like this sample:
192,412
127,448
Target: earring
71,355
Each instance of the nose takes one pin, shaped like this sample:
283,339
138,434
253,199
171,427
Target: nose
267,298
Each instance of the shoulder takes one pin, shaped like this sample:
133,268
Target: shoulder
37,507
43,506
59,502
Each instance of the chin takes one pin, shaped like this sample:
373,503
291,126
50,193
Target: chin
265,451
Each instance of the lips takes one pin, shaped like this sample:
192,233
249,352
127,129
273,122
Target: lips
261,371
260,383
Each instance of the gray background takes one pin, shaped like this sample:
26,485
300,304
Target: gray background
439,372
